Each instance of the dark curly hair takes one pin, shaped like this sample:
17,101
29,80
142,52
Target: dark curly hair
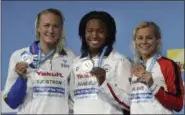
110,25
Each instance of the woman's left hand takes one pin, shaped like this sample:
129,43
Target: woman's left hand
100,74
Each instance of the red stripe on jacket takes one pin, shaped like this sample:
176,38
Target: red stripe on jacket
116,98
173,99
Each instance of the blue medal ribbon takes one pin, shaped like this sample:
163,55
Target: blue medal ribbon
101,56
42,59
152,62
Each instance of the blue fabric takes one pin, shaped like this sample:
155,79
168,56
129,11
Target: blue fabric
17,93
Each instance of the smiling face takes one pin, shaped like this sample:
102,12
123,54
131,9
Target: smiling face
95,34
49,28
146,42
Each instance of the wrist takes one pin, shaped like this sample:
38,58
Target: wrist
23,77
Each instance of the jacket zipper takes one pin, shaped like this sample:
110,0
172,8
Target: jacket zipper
51,65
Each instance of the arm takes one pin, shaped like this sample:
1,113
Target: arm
173,98
117,92
17,93
15,87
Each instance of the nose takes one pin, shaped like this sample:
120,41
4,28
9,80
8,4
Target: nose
94,34
144,40
51,29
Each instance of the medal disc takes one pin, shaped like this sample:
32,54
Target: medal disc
87,65
27,57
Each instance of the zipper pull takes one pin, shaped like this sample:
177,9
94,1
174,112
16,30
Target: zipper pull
50,64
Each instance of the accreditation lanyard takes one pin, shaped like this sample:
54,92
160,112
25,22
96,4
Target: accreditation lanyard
154,59
100,58
42,59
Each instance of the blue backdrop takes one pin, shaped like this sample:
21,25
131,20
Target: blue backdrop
18,23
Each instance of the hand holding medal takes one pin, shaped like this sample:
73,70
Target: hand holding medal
138,70
100,73
21,68
143,76
26,60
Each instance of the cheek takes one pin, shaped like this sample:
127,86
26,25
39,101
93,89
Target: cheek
87,36
136,44
103,37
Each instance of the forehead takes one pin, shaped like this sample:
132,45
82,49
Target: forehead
145,31
95,23
50,17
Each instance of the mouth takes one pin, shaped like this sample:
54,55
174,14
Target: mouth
51,36
94,42
145,47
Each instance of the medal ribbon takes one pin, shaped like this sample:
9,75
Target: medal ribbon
101,56
48,55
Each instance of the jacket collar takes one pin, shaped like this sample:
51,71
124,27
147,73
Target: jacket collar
107,52
34,49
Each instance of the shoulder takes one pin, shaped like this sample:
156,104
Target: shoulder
69,52
18,52
167,63
118,56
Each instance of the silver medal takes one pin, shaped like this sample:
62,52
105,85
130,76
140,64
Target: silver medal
27,57
87,66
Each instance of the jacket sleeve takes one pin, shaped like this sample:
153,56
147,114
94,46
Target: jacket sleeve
173,97
116,92
15,86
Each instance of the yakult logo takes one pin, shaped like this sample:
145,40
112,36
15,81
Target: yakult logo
53,74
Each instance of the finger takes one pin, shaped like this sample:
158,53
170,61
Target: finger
17,65
21,65
23,71
142,80
21,68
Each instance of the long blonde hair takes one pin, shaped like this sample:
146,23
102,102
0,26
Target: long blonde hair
157,35
61,41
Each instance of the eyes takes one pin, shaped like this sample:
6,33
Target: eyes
99,31
48,25
142,38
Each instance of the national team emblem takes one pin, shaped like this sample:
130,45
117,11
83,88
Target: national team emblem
106,67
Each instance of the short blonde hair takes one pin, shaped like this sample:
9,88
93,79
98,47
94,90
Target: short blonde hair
61,41
157,33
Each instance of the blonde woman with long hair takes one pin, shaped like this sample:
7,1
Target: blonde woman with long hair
37,81
156,83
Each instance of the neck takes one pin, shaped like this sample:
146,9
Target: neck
46,48
146,57
94,53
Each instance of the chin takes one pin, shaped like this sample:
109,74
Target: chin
50,42
145,53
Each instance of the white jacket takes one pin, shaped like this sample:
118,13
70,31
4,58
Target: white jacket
47,86
109,98
164,96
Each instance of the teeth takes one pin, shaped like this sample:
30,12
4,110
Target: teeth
144,46
94,42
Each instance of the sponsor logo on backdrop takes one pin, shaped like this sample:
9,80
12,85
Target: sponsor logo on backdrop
178,56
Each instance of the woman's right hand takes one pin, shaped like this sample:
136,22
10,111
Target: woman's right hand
138,70
21,68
